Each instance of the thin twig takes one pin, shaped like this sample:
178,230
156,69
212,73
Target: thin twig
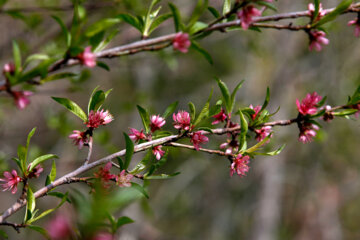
90,145
14,225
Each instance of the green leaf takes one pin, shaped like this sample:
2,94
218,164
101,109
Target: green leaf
35,57
199,9
258,145
18,162
140,188
205,111
72,107
103,65
144,117
355,97
43,214
21,152
101,25
96,100
129,150
214,12
60,195
192,111
64,29
226,6
273,153
39,230
197,27
343,6
170,109
157,164
158,21
17,57
243,131
177,17
121,163
57,76
195,46
267,4
3,234
267,99
143,164
205,129
96,40
215,109
130,19
225,93
322,102
233,95
345,112
122,221
317,8
2,3
105,42
30,205
41,159
161,176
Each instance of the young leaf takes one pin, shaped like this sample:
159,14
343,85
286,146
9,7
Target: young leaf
192,111
3,234
267,99
226,6
133,21
258,145
233,95
105,42
161,176
345,112
121,163
143,164
273,153
96,100
267,4
101,26
344,5
140,188
122,221
158,21
243,131
144,117
60,195
17,57
41,159
226,94
195,46
199,9
30,206
170,109
39,230
57,76
64,29
355,97
205,111
317,8
73,107
177,17
214,12
129,150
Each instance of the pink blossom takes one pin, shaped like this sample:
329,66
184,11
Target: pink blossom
98,118
355,22
103,236
9,68
220,117
311,8
181,42
156,122
317,39
240,165
158,152
256,109
59,228
198,138
246,15
307,132
21,98
87,58
104,175
308,104
182,120
35,173
124,179
11,181
136,135
262,133
231,146
80,138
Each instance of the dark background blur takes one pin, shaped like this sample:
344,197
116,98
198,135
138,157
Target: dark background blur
309,191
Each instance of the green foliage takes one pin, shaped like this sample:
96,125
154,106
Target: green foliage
129,150
65,31
145,118
52,175
100,26
177,17
199,9
72,107
97,99
170,109
243,131
192,111
17,57
30,205
40,230
41,159
355,98
226,6
267,4
204,113
196,46
344,5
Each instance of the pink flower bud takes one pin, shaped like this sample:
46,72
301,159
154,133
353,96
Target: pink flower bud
11,181
198,138
9,68
317,39
87,58
311,8
21,98
262,133
307,132
220,117
246,15
182,120
158,152
136,135
98,118
256,109
308,104
80,138
240,165
356,23
181,42
156,122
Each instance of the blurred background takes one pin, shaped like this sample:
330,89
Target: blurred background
309,191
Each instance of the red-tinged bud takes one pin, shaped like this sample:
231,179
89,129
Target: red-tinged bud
181,42
246,15
317,40
79,138
308,104
240,165
182,120
98,118
156,122
198,138
87,58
